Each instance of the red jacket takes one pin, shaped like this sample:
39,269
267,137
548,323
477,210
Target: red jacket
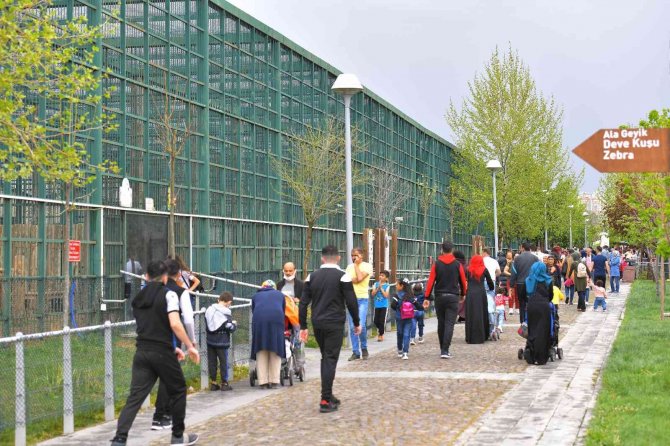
447,276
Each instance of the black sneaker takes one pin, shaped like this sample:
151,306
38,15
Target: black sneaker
335,400
214,386
354,357
365,353
327,406
226,387
162,424
118,441
184,440
445,355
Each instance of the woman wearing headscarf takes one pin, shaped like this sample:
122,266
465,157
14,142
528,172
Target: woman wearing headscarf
267,329
540,291
615,271
476,312
580,283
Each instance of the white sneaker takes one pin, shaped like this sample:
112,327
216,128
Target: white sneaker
412,342
405,357
400,354
511,312
421,341
500,329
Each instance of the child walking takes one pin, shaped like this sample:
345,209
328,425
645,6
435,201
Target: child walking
600,294
418,315
501,300
380,292
404,304
220,325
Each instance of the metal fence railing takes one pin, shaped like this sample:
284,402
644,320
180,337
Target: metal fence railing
47,379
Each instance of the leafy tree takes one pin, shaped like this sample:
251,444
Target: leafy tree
506,118
315,175
50,103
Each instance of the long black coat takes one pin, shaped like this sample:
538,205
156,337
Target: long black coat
477,329
539,323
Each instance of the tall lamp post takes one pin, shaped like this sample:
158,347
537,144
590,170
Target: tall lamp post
494,166
348,85
546,235
586,220
571,207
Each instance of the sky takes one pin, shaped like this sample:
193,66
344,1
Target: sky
606,62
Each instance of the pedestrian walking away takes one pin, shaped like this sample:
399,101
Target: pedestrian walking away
156,312
579,273
162,418
419,315
447,281
477,321
268,347
330,292
520,269
220,326
360,272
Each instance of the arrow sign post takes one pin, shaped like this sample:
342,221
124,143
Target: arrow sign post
627,150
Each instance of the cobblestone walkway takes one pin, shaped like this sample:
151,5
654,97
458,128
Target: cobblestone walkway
469,399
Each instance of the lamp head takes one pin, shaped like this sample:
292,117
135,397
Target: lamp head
347,84
494,165
571,206
585,214
399,219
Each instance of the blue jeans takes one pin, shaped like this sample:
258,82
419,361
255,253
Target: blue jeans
404,330
500,318
417,322
614,284
359,343
569,294
600,301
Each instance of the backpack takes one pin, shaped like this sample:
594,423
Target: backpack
581,270
407,310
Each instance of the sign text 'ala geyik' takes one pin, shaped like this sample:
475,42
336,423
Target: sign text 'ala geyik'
627,150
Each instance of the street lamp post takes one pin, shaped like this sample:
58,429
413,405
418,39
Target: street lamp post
494,166
571,207
348,85
546,235
586,220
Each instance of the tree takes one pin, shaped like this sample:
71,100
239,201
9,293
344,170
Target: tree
427,193
389,194
506,118
315,175
175,123
50,103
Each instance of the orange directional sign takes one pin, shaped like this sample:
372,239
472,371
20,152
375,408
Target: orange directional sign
627,150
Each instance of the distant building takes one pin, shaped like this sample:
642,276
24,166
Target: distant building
592,203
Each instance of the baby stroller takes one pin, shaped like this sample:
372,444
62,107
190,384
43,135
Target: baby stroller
294,363
554,350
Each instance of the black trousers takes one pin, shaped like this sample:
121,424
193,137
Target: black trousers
603,278
522,297
446,308
380,320
220,355
330,343
148,366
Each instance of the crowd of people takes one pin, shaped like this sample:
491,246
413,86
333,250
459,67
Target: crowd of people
480,293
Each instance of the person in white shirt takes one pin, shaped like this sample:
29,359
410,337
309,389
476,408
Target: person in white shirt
493,268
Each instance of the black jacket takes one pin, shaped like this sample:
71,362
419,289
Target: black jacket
447,276
521,267
150,308
298,286
329,290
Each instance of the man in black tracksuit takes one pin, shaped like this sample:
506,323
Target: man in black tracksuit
520,270
328,290
156,311
447,278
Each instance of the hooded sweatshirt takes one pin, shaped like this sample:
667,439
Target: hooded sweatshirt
151,307
447,276
220,325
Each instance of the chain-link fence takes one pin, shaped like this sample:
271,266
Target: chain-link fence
50,380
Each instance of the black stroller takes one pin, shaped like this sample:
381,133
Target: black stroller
554,350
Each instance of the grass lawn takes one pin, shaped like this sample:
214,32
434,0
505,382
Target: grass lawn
633,407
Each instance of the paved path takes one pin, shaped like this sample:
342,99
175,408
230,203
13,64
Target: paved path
475,398
552,404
